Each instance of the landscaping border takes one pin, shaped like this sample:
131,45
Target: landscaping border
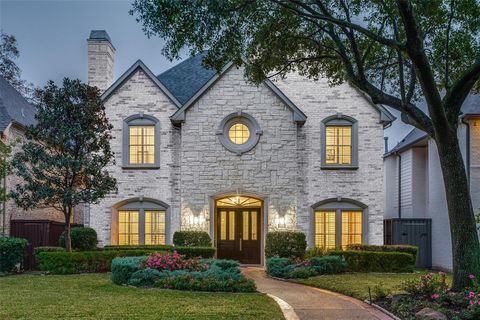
287,310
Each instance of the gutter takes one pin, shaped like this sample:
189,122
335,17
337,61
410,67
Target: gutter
467,147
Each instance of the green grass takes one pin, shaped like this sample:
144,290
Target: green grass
93,296
356,284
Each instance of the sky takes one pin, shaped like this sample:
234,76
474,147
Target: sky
52,39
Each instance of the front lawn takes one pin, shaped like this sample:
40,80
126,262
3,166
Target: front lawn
356,284
93,296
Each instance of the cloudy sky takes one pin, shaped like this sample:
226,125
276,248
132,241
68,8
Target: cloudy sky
52,37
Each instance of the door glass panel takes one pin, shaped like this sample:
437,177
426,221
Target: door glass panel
325,229
128,228
238,201
223,225
351,228
231,225
245,215
154,227
254,225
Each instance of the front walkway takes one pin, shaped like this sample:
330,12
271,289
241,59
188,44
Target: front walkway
312,303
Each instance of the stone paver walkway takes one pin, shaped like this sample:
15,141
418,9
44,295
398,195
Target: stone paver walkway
313,303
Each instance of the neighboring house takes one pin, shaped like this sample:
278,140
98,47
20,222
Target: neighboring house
414,185
199,151
15,114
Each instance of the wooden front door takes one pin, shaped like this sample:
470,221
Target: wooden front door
239,234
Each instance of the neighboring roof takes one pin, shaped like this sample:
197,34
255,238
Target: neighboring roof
209,77
414,136
99,35
471,105
186,78
14,108
140,65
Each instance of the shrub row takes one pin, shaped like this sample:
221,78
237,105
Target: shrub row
371,261
288,268
192,239
123,268
285,244
82,261
385,248
189,252
11,252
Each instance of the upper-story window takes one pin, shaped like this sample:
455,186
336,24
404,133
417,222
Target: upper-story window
339,142
239,132
141,147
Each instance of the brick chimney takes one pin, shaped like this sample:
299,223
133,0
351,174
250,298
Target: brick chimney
101,57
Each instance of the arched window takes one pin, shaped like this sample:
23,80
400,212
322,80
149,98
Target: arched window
338,223
339,142
141,141
140,222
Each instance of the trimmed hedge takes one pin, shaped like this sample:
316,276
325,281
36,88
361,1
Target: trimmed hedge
48,249
371,261
11,252
294,269
385,248
285,244
83,261
83,238
189,252
192,239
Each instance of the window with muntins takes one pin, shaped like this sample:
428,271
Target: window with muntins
141,147
141,222
338,224
339,142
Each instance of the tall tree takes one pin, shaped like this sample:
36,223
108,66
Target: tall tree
395,51
10,71
64,158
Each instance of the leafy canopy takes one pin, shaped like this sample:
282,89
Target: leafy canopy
62,162
370,43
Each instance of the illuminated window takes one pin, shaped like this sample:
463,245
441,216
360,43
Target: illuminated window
141,144
139,223
338,145
351,228
128,227
325,235
154,227
239,133
339,142
141,135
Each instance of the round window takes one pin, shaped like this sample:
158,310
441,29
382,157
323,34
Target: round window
239,133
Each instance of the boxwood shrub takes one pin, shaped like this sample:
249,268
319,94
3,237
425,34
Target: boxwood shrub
82,261
192,239
189,282
11,252
285,244
385,248
294,269
83,238
372,261
189,252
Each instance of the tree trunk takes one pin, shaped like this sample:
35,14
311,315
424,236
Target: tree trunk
68,238
465,242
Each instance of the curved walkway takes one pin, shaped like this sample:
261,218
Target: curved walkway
313,303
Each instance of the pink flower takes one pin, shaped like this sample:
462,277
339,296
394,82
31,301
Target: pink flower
471,302
471,294
435,296
471,276
442,273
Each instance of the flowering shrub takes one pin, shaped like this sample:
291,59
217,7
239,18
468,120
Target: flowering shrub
473,296
432,286
171,262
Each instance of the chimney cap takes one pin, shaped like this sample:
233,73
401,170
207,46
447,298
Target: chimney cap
99,35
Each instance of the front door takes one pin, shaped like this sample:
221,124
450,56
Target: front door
238,234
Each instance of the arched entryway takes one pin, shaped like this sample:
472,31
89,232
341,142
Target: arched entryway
238,228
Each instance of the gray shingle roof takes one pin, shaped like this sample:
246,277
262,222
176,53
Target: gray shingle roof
14,107
99,35
186,78
471,104
411,138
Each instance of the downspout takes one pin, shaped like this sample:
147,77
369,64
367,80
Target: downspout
399,185
467,147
